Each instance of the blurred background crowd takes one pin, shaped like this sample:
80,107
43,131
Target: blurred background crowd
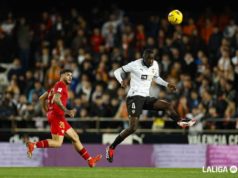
200,56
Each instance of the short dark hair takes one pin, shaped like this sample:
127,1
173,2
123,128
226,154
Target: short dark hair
65,71
147,52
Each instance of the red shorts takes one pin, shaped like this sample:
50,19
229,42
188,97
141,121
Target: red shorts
58,124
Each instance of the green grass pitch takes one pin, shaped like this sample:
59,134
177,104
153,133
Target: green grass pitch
107,172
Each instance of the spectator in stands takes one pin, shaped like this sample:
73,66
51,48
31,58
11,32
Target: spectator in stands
8,108
13,87
98,92
188,65
15,69
140,37
110,26
101,73
224,63
182,107
200,59
52,74
189,27
85,88
207,30
24,38
193,99
234,61
106,105
26,112
79,40
207,100
36,92
230,29
112,87
96,40
43,58
165,63
214,43
114,105
97,108
212,115
76,75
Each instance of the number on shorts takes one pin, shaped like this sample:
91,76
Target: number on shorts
133,106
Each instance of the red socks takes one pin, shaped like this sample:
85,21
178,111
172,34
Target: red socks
84,153
42,144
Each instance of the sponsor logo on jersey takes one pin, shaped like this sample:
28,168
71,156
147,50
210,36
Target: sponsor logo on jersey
144,77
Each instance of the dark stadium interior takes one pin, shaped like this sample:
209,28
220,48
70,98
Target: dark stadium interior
35,31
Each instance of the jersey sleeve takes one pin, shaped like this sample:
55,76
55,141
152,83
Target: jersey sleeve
59,88
156,75
158,79
128,67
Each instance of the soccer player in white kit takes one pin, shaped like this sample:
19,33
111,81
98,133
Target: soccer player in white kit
142,72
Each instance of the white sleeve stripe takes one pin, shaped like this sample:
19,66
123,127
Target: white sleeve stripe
160,81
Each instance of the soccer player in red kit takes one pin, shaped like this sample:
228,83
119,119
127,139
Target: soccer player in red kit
54,104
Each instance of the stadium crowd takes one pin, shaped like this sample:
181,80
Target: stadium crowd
200,56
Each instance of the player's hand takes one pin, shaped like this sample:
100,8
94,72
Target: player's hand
171,86
71,112
123,84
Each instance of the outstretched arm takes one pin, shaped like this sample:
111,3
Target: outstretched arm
162,82
43,103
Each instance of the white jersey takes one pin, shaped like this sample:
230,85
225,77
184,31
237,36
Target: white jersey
141,77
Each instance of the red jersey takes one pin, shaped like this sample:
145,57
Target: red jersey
61,88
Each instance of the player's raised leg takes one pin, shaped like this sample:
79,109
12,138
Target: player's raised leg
133,124
161,104
55,142
71,133
58,126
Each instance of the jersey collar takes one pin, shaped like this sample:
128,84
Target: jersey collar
143,63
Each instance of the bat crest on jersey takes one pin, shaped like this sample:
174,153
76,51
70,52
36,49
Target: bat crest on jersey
144,77
61,125
59,89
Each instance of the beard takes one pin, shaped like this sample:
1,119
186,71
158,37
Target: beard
68,82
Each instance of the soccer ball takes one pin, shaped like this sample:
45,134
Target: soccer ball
175,17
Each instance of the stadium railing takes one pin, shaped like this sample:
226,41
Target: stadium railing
112,125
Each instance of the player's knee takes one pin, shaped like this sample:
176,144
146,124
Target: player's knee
75,138
167,106
58,144
170,106
132,129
